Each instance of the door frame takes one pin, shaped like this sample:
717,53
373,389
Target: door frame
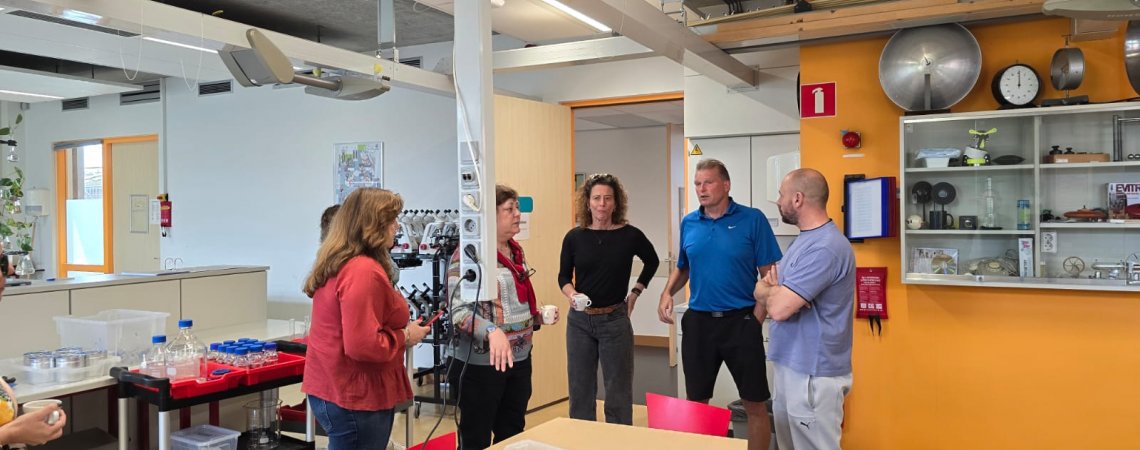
61,179
650,341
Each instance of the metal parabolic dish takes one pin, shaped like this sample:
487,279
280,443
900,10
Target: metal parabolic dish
1132,54
930,68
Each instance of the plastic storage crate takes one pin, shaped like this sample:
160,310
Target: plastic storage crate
121,332
204,437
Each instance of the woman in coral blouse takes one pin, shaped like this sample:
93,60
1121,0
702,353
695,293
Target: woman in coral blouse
354,372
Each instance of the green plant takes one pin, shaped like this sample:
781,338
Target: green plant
12,128
14,222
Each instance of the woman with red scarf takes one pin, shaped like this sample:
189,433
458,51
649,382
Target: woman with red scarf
492,367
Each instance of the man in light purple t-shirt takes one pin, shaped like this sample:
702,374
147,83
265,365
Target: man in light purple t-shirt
810,297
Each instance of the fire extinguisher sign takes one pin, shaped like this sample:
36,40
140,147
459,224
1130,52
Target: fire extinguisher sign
817,100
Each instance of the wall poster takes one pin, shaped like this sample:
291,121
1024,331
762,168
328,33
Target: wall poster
358,164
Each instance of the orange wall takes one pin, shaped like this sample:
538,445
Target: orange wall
977,368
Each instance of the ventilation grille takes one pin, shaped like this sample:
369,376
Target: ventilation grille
71,23
73,104
217,87
416,62
150,92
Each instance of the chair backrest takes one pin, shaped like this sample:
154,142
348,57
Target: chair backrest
668,413
444,442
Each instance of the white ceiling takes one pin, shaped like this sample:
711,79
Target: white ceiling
528,20
637,115
48,85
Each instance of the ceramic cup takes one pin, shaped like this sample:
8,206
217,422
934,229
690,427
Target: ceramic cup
36,405
549,313
579,302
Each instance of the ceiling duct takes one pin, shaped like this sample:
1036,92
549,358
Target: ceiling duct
265,64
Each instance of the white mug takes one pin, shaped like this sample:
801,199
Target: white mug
580,302
549,313
37,405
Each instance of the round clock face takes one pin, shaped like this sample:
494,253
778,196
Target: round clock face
1018,85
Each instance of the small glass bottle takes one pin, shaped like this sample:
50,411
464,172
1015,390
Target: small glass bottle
155,360
241,358
212,356
270,353
1023,215
256,356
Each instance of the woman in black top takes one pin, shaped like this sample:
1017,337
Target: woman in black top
597,260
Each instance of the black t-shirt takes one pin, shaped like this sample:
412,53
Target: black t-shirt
599,262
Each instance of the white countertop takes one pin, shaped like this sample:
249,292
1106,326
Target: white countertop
121,279
271,329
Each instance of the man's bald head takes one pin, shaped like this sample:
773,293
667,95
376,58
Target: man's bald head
811,183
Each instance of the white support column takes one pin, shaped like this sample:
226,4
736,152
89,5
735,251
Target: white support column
475,104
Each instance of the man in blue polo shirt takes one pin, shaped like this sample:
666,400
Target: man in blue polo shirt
723,247
810,297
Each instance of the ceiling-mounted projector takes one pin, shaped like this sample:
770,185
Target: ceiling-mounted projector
265,64
1093,9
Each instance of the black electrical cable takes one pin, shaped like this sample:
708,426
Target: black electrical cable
452,342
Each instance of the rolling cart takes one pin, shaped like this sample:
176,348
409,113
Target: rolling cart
172,396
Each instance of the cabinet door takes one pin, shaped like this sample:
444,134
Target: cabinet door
772,158
224,300
736,155
35,328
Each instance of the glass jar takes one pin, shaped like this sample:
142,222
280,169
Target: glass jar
1023,215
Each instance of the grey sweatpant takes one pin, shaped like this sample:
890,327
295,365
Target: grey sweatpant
808,410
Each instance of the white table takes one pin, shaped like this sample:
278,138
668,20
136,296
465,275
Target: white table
270,329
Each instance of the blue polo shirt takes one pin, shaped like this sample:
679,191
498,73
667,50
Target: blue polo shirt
722,255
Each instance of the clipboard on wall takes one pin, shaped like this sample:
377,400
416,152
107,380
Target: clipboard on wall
870,209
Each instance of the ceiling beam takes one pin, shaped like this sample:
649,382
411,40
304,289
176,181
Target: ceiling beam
854,20
168,22
569,54
650,27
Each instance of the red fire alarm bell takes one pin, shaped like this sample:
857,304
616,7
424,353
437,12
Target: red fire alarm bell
851,139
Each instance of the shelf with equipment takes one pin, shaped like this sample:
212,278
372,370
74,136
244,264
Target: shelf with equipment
1031,198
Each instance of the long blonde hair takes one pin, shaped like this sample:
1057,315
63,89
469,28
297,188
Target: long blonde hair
362,226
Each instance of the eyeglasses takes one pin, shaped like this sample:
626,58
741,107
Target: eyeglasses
525,275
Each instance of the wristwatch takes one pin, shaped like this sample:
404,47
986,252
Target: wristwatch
490,329
636,290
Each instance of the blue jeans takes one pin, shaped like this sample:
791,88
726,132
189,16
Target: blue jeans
348,429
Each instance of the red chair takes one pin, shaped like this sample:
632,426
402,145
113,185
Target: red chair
445,442
668,413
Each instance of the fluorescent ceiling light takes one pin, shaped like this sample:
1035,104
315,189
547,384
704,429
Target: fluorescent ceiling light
178,44
82,17
577,15
53,97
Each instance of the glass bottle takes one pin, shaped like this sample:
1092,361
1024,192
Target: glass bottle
270,353
989,220
154,362
241,358
212,356
187,353
256,356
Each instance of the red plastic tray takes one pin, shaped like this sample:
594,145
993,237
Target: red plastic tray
288,365
193,388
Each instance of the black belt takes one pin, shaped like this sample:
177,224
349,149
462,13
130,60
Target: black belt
723,314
